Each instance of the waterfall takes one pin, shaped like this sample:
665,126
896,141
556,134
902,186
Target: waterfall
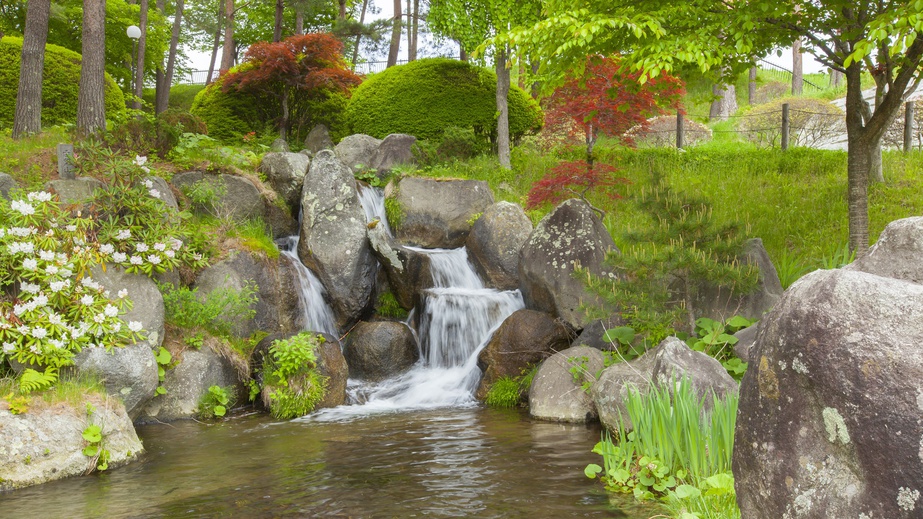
373,203
317,316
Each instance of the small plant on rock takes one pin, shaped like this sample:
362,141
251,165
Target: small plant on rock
216,402
292,382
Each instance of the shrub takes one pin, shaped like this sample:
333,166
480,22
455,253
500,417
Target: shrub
292,381
146,135
661,132
59,85
811,121
426,97
455,144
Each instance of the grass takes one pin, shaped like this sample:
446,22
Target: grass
72,389
33,160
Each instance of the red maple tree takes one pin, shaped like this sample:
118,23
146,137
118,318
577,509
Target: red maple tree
300,67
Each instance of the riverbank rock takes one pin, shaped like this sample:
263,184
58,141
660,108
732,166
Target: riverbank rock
408,271
556,393
46,442
569,236
333,240
161,188
829,422
494,244
318,139
234,197
395,150
286,172
356,151
380,350
676,361
721,304
437,213
525,338
897,253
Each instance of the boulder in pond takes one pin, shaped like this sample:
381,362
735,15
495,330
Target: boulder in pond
675,361
494,244
380,350
330,363
408,271
560,389
286,172
437,213
610,392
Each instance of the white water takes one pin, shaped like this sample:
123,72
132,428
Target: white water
317,316
373,203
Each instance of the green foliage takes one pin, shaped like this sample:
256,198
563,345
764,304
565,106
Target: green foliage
217,312
716,339
252,235
426,97
389,308
394,212
291,376
454,144
838,257
181,97
215,403
31,380
195,150
713,498
164,359
505,392
148,135
95,449
59,85
369,177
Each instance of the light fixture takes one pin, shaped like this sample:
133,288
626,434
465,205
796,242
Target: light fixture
133,32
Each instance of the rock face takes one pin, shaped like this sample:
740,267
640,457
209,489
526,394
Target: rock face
568,236
276,288
408,271
189,381
746,338
286,172
234,197
494,244
75,190
7,183
395,150
555,396
333,237
898,252
436,213
380,350
675,361
162,189
610,392
721,304
318,139
829,422
526,337
357,150
46,443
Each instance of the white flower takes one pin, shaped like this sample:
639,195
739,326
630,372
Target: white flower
87,300
66,273
46,255
39,333
154,193
117,327
34,349
197,256
29,264
89,283
23,329
141,247
31,288
41,196
176,244
169,254
56,319
41,301
118,257
111,311
22,232
24,208
106,248
70,228
123,293
148,184
124,234
51,270
57,286
140,160
2,232
153,259
20,309
160,247
134,326
9,347
135,260
99,318
56,343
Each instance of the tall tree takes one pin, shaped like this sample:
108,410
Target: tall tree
279,20
160,5
395,47
163,93
142,51
28,117
797,68
91,108
716,35
229,51
217,42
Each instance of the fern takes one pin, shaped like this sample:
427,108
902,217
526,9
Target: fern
32,380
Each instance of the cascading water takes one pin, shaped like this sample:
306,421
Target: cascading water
317,316
373,203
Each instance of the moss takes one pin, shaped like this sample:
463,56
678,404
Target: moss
388,306
505,392
59,85
394,212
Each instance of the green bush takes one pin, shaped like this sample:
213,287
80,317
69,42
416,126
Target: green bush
181,97
294,384
59,85
149,135
231,115
426,97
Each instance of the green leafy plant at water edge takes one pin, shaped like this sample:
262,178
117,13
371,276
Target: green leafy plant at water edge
291,376
716,339
253,236
95,448
368,176
163,358
505,392
712,498
389,307
215,403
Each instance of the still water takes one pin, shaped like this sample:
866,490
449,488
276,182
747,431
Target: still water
459,462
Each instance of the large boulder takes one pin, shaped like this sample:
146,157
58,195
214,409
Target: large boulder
72,191
286,172
274,280
897,253
408,271
234,197
525,338
318,139
676,361
188,382
161,189
380,350
333,240
437,213
46,443
721,304
829,423
570,236
494,244
557,392
610,392
395,150
278,220
356,151
7,184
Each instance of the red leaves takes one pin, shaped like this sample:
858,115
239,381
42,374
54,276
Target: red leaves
574,179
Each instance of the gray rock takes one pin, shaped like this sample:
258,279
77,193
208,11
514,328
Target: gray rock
7,183
286,172
356,151
46,443
165,193
829,422
279,145
437,213
610,392
188,382
235,197
525,338
570,235
555,396
380,350
897,253
318,139
746,338
408,271
593,334
333,240
147,301
279,221
721,304
74,191
676,361
494,244
395,150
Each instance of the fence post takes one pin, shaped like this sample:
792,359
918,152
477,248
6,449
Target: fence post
784,126
679,130
908,126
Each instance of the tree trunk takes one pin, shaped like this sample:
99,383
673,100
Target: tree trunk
160,5
283,125
751,87
91,107
415,27
216,44
365,6
725,103
227,54
277,27
503,119
797,68
299,19
409,30
139,64
341,15
859,152
163,97
836,78
28,117
395,35
462,55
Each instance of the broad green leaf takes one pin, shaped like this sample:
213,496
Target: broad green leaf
687,491
90,450
592,470
93,434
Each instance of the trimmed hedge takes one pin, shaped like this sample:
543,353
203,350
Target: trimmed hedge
425,97
60,85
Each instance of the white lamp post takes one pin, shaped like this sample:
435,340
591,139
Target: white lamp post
133,32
